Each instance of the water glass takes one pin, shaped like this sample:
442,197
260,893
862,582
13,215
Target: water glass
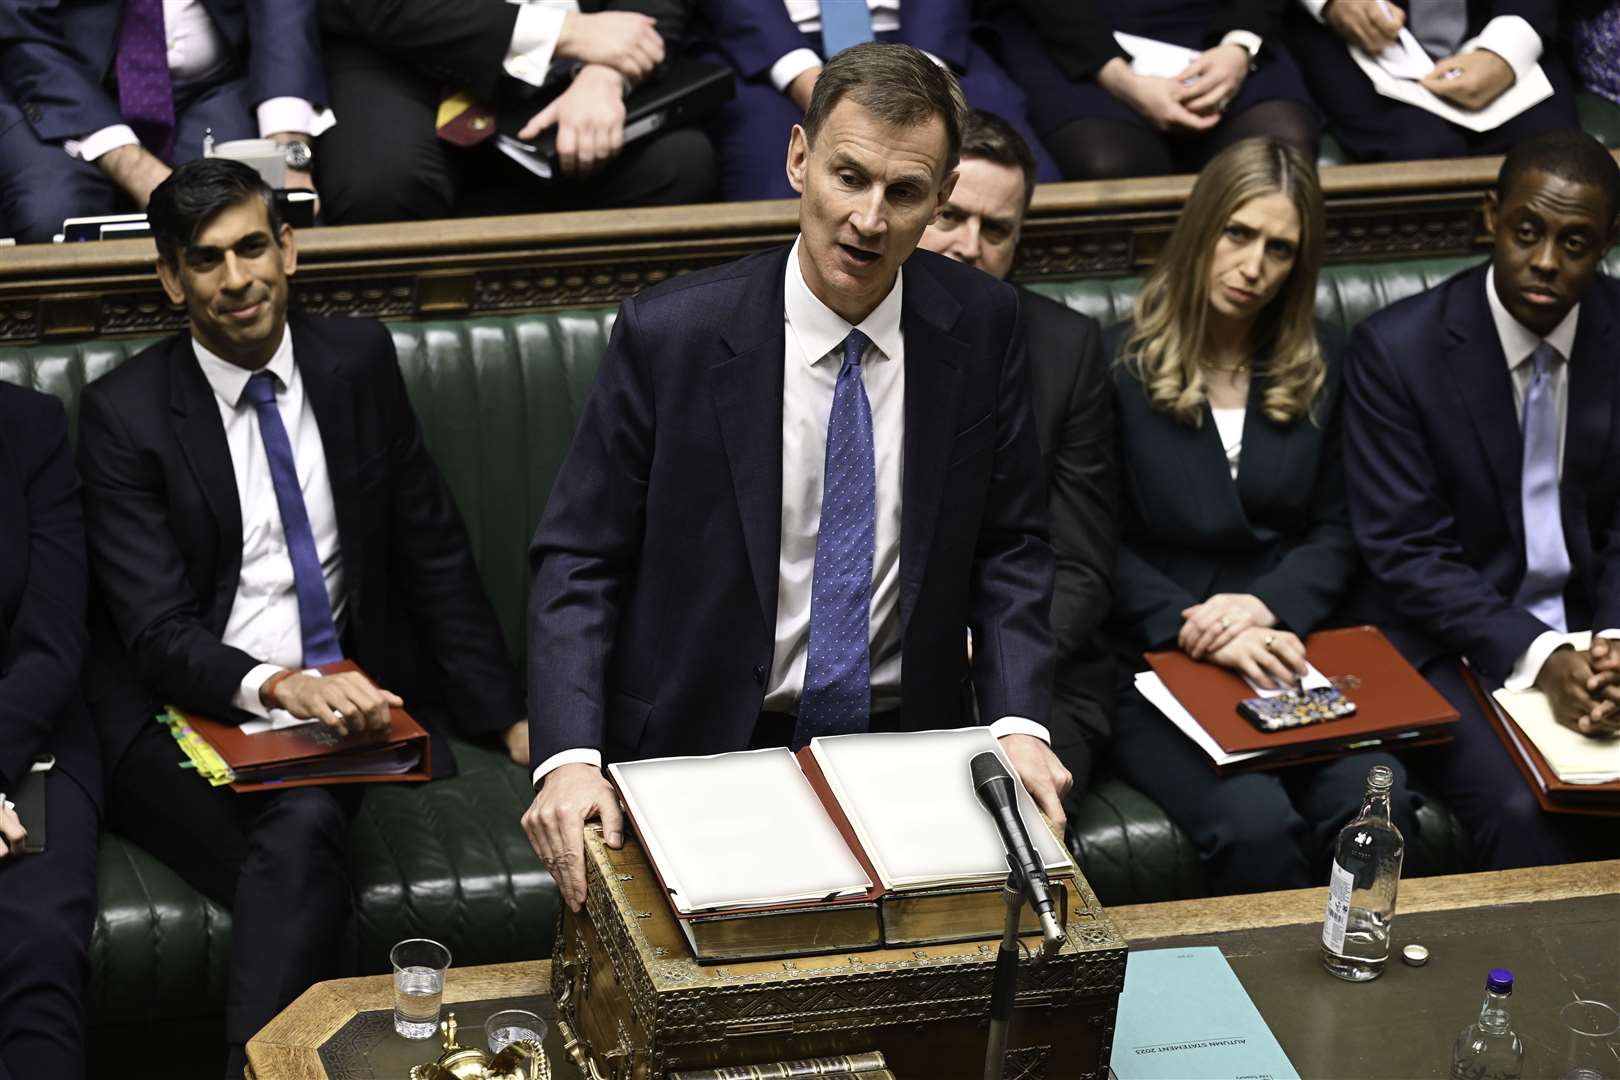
509,1025
1591,1027
419,966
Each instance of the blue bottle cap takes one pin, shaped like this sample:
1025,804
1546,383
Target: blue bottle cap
1499,981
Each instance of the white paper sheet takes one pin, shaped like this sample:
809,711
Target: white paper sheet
1313,680
1530,90
737,830
1152,57
1150,686
1406,59
910,797
1574,757
278,719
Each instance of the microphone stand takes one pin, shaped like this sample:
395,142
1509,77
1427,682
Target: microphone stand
1004,983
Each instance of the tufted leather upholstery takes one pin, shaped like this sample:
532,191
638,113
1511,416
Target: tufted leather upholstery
498,398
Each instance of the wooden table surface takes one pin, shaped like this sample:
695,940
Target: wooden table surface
288,1047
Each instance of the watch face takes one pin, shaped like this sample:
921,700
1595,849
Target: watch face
297,155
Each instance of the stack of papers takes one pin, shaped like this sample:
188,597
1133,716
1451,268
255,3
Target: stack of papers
1156,58
1532,89
1575,758
1150,686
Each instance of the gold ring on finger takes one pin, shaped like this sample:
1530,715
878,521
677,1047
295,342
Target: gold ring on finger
1225,622
1270,638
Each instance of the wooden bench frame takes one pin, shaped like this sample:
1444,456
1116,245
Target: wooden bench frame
538,262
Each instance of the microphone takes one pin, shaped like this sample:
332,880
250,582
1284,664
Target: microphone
995,789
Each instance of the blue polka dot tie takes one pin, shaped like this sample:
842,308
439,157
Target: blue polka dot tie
145,92
837,673
309,582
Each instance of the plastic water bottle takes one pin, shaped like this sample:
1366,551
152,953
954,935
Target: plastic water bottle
1361,889
1488,1049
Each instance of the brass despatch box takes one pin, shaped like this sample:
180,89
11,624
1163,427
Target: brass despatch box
632,1003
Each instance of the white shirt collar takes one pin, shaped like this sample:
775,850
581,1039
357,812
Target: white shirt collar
819,329
1518,340
229,380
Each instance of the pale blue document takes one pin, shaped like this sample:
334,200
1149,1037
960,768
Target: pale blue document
1185,1016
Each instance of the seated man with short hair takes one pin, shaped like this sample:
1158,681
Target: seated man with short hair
1074,422
259,502
1482,426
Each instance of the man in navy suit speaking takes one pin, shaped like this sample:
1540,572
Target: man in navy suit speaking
1482,430
800,480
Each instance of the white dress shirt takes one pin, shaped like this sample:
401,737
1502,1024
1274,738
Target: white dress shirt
197,50
1518,343
534,38
1229,426
1508,36
264,616
806,15
811,359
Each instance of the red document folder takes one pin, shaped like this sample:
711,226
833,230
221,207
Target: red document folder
1394,704
1555,795
309,754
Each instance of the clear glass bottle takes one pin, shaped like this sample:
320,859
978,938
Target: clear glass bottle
1488,1049
1361,889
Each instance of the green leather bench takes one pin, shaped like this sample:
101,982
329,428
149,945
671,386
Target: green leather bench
498,398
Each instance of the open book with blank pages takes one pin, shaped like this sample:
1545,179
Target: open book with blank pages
283,751
1395,706
1567,771
856,841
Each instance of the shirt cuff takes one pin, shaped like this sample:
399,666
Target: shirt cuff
791,66
1247,40
534,42
246,697
292,114
1018,725
579,756
1314,7
97,143
1511,38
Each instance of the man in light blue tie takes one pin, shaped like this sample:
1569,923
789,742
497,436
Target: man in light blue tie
799,480
1482,427
778,48
258,503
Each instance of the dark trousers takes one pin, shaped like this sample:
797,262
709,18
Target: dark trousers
387,163
277,860
47,909
41,186
1372,127
1475,776
1254,831
751,131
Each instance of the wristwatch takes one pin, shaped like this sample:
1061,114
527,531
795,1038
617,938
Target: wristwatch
298,154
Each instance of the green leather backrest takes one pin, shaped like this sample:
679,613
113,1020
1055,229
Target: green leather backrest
498,397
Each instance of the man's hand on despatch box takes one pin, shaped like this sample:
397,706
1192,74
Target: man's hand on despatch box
1044,776
570,796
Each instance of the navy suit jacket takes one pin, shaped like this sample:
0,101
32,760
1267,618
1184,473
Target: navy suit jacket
754,34
165,528
1280,532
653,612
43,580
56,58
1434,458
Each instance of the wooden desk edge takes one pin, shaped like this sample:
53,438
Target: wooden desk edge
1217,914
288,1048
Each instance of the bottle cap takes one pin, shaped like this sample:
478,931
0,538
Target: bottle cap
1499,981
1415,955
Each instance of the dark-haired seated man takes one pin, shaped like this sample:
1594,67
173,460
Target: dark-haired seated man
1482,433
259,502
980,225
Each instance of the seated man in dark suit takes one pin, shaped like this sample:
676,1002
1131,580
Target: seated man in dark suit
115,92
429,74
259,501
1480,47
779,46
980,226
1488,547
47,899
732,555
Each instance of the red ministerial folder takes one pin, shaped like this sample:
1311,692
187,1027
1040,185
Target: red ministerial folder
1391,699
313,754
1554,795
